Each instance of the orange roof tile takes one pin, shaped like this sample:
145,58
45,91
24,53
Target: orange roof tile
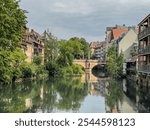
118,32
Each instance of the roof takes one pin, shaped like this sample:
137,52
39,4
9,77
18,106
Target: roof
35,33
94,44
118,32
144,20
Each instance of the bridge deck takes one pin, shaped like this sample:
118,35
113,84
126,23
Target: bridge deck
88,63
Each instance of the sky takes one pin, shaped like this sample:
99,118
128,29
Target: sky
83,18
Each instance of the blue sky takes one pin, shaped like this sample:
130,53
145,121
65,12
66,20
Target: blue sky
83,18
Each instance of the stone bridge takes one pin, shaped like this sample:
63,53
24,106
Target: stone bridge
88,64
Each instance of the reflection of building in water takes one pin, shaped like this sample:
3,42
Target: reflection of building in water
97,89
28,103
89,77
126,105
96,85
42,93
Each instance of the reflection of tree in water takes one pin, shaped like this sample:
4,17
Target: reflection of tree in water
72,92
43,96
114,95
13,97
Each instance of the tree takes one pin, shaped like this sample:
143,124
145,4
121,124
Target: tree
111,61
12,23
120,61
66,53
114,62
51,46
133,52
37,60
81,47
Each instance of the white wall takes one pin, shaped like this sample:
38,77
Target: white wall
126,44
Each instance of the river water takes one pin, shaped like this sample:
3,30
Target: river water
86,94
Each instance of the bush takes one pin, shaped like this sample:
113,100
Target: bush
77,69
52,68
72,70
28,70
37,60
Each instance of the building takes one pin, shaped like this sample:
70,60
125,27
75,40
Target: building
123,38
32,44
144,51
93,46
144,54
128,44
113,33
98,50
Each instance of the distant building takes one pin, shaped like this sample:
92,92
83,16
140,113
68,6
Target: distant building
98,50
128,43
32,44
93,46
113,33
123,38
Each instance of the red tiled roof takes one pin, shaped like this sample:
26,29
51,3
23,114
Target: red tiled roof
118,32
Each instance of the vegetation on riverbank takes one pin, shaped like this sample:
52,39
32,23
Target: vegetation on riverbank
11,27
58,57
114,62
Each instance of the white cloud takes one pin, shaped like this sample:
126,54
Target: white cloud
80,7
87,18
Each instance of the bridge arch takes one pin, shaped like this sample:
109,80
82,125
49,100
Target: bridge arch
88,64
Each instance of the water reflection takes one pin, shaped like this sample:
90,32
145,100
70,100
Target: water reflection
75,94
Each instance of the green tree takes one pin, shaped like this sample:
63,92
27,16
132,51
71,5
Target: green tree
66,54
114,62
112,66
120,61
12,23
37,60
133,52
81,47
51,46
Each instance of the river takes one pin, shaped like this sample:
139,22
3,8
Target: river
86,94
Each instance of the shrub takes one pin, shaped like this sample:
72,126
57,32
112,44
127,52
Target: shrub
52,68
28,70
77,69
37,60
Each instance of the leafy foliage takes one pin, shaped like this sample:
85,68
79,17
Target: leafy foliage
115,94
12,23
51,48
114,62
37,60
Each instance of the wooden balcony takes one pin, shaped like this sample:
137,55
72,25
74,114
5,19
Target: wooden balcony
145,50
144,68
144,33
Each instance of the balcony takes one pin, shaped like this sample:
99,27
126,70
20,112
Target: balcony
144,68
144,33
145,50
133,69
131,77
